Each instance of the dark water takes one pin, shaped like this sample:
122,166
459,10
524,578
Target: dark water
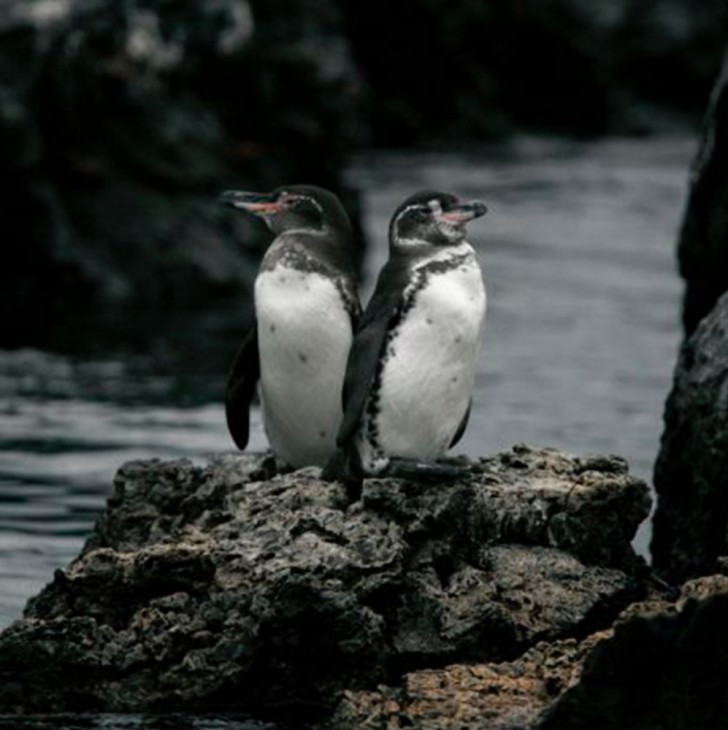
130,722
579,343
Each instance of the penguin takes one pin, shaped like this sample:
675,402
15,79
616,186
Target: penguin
306,309
411,369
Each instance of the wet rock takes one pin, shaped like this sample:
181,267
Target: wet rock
228,585
703,245
690,473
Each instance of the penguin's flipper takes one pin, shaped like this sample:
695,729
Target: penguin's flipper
242,380
369,342
360,372
463,425
398,468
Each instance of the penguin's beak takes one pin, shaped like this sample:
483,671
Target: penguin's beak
256,203
464,212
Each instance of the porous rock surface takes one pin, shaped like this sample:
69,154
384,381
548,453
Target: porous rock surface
691,478
495,696
664,667
228,585
663,664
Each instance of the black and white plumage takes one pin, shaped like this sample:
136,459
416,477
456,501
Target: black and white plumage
412,365
306,309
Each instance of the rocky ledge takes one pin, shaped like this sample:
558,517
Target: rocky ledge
510,599
663,664
231,586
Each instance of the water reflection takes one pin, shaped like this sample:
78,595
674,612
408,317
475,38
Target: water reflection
580,341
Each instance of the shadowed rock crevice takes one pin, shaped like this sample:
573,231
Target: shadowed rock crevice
228,586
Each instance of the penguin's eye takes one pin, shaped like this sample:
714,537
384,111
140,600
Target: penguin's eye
420,214
307,209
288,200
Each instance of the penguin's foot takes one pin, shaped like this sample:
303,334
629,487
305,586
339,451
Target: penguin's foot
353,489
267,468
273,464
460,460
351,493
441,470
339,469
336,468
283,467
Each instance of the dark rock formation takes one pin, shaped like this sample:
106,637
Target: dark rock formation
663,664
691,472
496,696
466,70
229,586
703,247
120,123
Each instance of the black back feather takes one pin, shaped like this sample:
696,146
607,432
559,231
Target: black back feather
365,356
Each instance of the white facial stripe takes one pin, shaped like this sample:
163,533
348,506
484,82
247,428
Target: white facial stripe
316,205
406,210
435,207
407,241
411,242
308,198
449,228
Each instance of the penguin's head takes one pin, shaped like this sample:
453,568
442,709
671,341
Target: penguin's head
432,218
292,207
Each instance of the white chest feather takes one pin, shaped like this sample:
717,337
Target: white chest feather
431,363
304,337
